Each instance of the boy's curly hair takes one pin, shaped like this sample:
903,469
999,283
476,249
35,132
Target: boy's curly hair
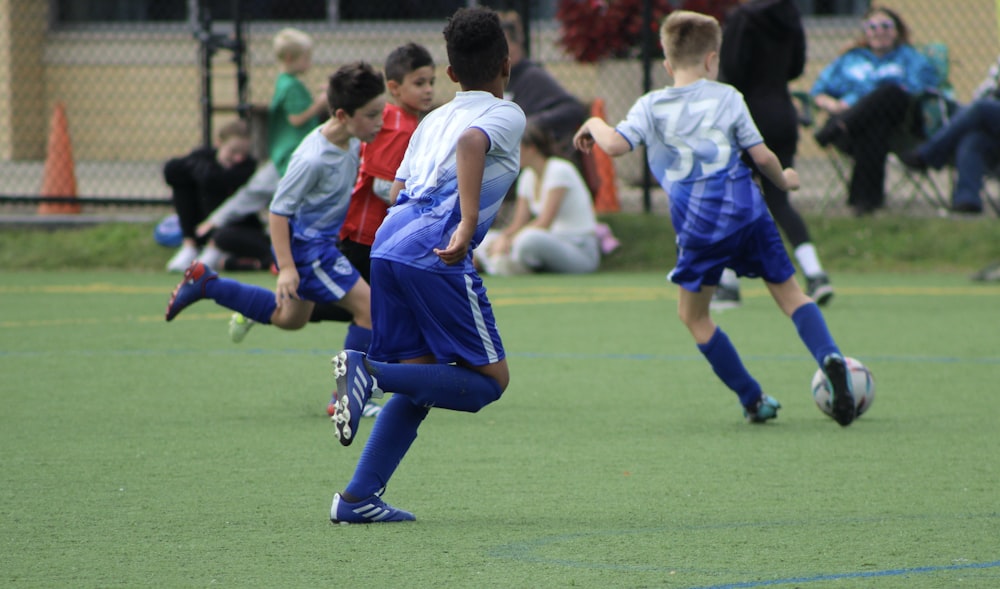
476,45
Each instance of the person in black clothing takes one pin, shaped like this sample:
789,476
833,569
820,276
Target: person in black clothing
544,101
763,49
201,180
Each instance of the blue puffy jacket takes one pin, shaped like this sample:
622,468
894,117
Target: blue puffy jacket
859,71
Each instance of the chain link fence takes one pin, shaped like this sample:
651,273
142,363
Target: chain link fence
141,81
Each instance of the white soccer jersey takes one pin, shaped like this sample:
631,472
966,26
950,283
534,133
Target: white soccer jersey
427,210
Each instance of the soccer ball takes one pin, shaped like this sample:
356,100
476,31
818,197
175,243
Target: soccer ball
862,382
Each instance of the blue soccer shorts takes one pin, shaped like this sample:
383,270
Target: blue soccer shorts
417,313
325,274
755,251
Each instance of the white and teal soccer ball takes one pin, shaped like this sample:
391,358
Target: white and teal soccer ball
862,382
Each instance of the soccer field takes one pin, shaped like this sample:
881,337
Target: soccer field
140,453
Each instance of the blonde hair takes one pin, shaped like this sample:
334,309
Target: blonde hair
291,43
687,37
234,128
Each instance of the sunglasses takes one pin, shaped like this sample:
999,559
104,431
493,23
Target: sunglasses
877,25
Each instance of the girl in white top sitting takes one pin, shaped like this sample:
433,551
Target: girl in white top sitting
553,227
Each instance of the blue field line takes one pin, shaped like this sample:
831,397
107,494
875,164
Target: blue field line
527,551
241,351
858,575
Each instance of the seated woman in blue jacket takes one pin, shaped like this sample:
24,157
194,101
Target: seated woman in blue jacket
869,91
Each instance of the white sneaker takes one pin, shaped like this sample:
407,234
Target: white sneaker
212,257
182,259
239,326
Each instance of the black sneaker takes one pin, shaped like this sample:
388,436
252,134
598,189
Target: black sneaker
829,132
912,159
966,208
818,288
725,298
842,404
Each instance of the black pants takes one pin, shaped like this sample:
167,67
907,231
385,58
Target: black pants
246,242
865,131
785,216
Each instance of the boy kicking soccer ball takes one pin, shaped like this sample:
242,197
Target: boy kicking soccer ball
695,132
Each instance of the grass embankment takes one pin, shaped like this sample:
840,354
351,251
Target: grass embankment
884,243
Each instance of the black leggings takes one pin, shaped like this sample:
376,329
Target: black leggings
785,216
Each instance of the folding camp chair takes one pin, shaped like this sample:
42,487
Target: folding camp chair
904,185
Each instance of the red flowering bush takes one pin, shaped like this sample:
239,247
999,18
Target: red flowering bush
594,29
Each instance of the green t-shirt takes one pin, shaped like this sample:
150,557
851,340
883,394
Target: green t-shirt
290,97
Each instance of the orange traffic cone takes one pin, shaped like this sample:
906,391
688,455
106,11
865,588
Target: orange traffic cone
606,195
59,178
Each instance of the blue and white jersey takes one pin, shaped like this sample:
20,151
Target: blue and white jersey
694,136
316,188
427,212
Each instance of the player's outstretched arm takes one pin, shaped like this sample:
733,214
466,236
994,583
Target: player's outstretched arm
768,164
596,130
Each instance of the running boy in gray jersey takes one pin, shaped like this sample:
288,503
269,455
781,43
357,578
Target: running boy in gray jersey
305,218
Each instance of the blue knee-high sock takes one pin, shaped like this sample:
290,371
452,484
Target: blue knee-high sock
811,325
726,363
358,338
437,385
394,431
255,302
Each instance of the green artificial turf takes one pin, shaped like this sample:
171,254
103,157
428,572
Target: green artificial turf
137,453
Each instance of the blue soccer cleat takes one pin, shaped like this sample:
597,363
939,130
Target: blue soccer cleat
367,511
191,289
842,402
372,409
355,387
765,408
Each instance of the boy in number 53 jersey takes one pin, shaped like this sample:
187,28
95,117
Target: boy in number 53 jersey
695,132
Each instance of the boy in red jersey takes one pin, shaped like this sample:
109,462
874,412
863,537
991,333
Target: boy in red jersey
409,74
